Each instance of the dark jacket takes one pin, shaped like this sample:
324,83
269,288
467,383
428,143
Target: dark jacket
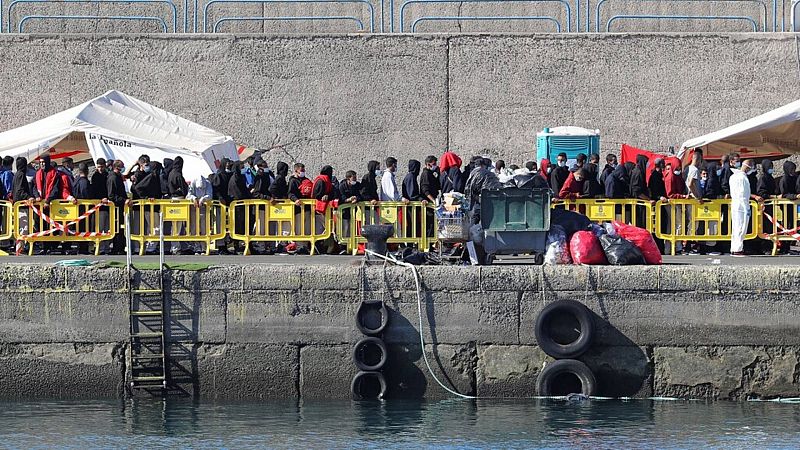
655,185
99,185
147,185
429,183
558,177
237,185
347,190
410,189
115,191
788,184
452,180
294,187
369,183
20,187
82,189
175,181
766,186
725,180
279,188
163,177
592,188
48,181
219,182
261,184
617,183
713,184
638,180
607,170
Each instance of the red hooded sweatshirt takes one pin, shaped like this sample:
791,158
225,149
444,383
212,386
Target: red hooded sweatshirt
572,188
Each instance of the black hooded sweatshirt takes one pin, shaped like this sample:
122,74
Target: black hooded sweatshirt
713,184
20,187
219,182
43,173
788,184
279,189
369,183
321,189
655,185
237,185
99,182
410,189
177,184
347,190
261,184
607,170
558,177
163,177
592,188
115,189
617,182
429,183
148,185
638,178
766,186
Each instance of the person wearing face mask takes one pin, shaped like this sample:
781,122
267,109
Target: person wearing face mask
740,207
451,178
580,160
249,171
300,187
279,188
638,180
219,185
592,188
429,184
117,195
21,191
787,186
389,191
734,162
611,164
766,186
261,181
200,193
618,183
369,183
573,186
545,169
559,175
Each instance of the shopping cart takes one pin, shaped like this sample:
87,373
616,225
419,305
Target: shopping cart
452,232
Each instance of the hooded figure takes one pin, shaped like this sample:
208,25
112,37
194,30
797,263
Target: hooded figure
617,184
558,177
175,180
592,188
573,187
322,191
740,210
787,187
713,184
237,185
166,189
410,189
766,188
638,179
279,189
655,185
148,184
674,184
48,180
452,180
220,181
20,188
481,177
262,181
369,183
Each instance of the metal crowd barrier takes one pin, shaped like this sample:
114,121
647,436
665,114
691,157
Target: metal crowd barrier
83,221
278,221
630,211
414,223
780,221
184,221
6,222
173,9
694,220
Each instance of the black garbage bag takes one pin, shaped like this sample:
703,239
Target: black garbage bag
416,257
571,221
621,252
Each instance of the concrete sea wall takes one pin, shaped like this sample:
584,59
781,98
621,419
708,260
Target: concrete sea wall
287,331
345,99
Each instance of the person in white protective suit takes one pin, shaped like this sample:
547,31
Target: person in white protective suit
740,206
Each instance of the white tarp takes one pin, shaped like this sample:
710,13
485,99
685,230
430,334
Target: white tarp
118,126
774,134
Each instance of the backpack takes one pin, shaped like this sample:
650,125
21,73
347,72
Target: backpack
306,188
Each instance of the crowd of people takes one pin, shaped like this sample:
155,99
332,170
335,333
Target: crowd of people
111,181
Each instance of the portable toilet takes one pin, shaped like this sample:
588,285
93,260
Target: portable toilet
570,140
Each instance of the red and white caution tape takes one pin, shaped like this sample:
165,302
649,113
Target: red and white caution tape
56,226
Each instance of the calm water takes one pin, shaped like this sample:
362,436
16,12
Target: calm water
443,424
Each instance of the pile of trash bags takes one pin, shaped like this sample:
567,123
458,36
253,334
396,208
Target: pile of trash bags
573,239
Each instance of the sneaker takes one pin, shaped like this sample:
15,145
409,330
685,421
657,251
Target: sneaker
715,253
738,254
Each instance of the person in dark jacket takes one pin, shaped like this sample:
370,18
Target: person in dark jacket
638,179
21,188
220,180
617,183
369,183
766,187
176,183
261,182
98,180
429,185
410,189
450,177
81,190
296,181
237,190
733,162
560,173
163,177
279,189
116,194
349,193
787,186
655,184
713,189
592,188
48,181
611,164
147,181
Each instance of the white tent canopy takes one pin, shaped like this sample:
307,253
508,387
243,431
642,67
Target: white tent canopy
117,126
774,134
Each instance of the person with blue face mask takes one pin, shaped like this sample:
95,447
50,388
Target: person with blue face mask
369,183
766,187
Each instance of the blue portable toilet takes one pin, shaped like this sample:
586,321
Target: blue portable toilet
570,140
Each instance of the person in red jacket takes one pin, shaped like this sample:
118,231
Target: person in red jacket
573,186
47,180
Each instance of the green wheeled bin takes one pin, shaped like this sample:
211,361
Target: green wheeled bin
515,222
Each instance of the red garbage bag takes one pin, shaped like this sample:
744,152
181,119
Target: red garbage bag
642,239
586,249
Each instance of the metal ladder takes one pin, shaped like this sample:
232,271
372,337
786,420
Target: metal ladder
148,356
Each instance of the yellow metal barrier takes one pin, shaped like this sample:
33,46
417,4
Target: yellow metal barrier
693,220
83,221
279,221
414,223
6,222
184,221
780,221
630,211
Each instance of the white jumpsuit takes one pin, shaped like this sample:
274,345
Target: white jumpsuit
740,209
